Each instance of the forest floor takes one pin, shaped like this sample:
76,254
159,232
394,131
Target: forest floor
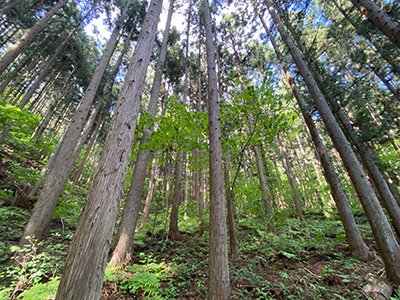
311,262
298,263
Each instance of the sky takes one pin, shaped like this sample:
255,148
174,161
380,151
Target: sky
104,34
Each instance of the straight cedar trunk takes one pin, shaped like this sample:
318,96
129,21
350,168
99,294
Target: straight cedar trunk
195,176
387,197
23,65
167,187
229,203
218,269
388,200
201,203
311,175
130,214
149,197
41,76
380,19
385,239
83,274
92,140
126,231
289,173
25,40
174,233
268,175
385,55
63,162
264,187
103,102
354,238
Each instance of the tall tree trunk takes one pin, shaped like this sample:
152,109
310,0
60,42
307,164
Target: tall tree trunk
92,140
264,187
149,197
268,175
380,19
41,76
53,106
218,269
290,177
64,160
388,200
385,55
355,240
83,274
231,216
126,230
174,233
24,41
385,239
201,202
23,65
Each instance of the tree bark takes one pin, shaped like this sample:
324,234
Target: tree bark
385,239
264,187
389,202
229,203
149,197
83,274
290,177
126,230
63,161
174,233
355,240
24,41
218,270
377,45
380,19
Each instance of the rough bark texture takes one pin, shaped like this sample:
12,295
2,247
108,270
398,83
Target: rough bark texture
63,161
380,19
218,270
130,214
126,230
385,239
84,269
24,41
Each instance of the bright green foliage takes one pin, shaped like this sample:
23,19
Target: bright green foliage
148,282
24,123
41,291
254,113
22,175
145,278
12,219
36,262
180,129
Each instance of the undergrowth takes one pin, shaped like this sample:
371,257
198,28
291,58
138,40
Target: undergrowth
311,262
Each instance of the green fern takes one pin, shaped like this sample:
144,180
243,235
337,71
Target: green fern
148,282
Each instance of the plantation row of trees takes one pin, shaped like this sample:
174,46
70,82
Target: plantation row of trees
272,105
